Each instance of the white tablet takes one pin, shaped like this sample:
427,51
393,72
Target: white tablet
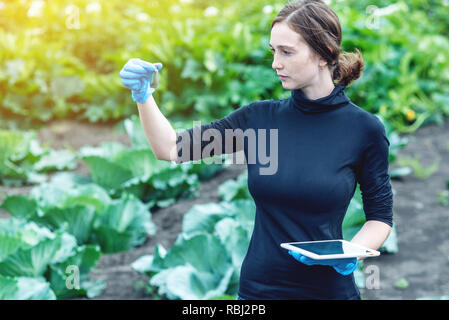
330,249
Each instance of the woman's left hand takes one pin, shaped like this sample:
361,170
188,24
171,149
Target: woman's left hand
342,266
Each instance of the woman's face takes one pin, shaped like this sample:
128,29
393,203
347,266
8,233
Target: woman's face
293,58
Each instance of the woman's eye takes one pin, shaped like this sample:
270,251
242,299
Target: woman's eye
283,51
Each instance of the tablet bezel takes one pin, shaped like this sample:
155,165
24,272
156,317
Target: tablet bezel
368,252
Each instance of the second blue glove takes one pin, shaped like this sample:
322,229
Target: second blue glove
342,266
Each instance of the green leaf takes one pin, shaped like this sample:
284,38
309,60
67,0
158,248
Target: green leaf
67,249
76,220
125,223
136,133
391,244
207,171
66,86
141,162
14,145
235,189
244,211
106,173
203,251
28,233
28,249
81,262
32,261
400,172
143,263
8,288
20,206
69,179
108,150
196,268
165,203
56,160
224,297
359,276
445,297
150,264
14,69
25,288
355,216
113,241
235,238
190,284
401,284
67,191
8,245
202,218
192,70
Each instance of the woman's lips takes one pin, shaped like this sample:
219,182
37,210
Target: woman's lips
283,77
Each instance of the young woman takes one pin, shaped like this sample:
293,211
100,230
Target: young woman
326,145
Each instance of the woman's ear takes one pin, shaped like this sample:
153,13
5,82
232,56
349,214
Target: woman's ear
317,59
322,63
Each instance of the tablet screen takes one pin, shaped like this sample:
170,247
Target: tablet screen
330,247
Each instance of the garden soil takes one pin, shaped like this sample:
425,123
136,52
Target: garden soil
422,222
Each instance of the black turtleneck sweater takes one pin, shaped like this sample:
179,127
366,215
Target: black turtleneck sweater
325,147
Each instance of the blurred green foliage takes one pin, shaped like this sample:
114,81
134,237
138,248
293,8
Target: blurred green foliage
61,59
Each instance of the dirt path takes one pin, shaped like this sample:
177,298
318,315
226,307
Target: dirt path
422,222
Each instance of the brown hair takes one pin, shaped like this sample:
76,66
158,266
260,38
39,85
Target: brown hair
320,27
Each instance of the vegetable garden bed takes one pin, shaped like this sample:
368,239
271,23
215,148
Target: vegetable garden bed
420,219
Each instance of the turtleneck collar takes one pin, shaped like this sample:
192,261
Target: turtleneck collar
334,100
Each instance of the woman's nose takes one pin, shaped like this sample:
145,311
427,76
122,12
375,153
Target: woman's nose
276,64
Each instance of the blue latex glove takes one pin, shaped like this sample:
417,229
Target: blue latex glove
137,75
342,266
